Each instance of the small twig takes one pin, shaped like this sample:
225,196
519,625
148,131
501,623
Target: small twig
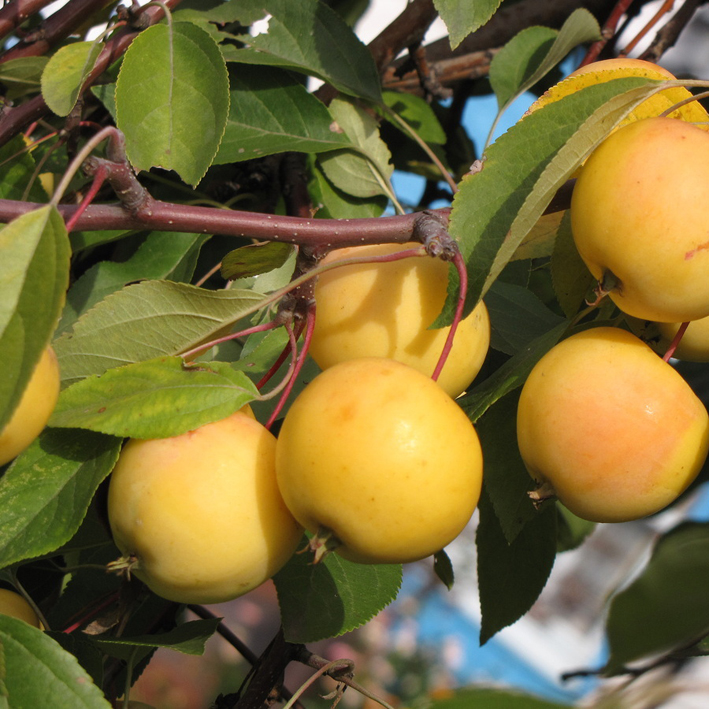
249,655
99,179
668,34
664,9
334,667
607,32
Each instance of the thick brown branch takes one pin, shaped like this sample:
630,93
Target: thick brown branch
13,14
670,32
55,28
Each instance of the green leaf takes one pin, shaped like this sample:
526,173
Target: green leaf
172,100
145,321
510,375
86,653
45,493
443,568
37,670
255,259
159,398
464,16
65,74
534,52
271,112
24,71
34,274
418,114
364,173
571,278
188,638
17,167
666,606
163,255
495,208
517,317
309,37
506,479
106,94
333,597
493,699
511,576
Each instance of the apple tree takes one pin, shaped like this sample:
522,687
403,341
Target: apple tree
173,178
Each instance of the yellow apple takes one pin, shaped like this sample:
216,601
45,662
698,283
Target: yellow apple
385,310
13,604
609,427
379,459
200,515
638,219
33,411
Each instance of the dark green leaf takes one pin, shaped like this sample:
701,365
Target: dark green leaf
511,576
517,317
510,375
571,531
45,493
87,654
443,568
418,114
667,605
17,167
571,278
333,597
172,100
145,321
506,479
34,274
255,259
65,74
464,17
309,37
271,112
37,670
188,638
159,398
163,255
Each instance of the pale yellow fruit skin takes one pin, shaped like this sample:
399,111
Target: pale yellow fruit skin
13,604
202,511
613,428
638,210
379,454
385,309
33,411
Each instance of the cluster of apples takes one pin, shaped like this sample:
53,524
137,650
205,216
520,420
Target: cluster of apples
374,459
604,423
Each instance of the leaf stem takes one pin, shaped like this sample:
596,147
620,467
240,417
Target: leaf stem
675,341
329,667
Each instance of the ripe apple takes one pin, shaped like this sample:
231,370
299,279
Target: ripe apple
638,219
33,411
385,310
375,457
200,514
13,604
609,427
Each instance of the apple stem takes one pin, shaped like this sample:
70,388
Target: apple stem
299,362
460,305
242,333
675,342
541,494
281,359
323,543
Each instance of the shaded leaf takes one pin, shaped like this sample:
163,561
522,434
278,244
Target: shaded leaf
511,576
36,668
418,114
517,317
34,274
271,112
666,606
571,531
172,100
493,699
366,172
571,278
541,238
311,38
145,321
188,638
45,493
462,18
17,167
159,398
24,71
348,595
255,259
443,568
506,479
65,73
